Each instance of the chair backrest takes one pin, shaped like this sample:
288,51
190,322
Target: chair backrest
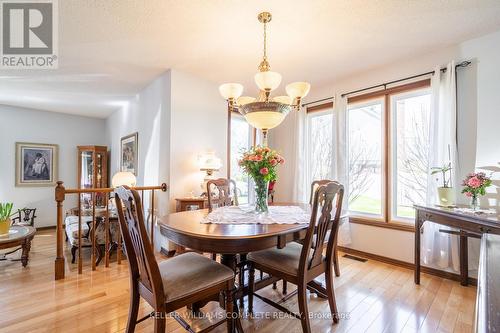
325,215
221,192
26,216
314,185
143,266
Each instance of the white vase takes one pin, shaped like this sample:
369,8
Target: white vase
446,196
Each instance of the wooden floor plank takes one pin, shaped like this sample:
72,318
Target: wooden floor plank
374,296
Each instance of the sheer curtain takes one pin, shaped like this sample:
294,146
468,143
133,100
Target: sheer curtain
340,161
300,188
441,249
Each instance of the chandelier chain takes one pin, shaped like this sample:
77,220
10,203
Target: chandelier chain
265,41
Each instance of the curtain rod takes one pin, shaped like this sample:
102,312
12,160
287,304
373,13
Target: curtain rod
461,64
319,100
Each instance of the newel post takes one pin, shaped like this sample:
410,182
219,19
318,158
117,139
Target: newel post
60,193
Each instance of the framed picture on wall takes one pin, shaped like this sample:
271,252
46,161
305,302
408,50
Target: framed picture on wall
36,164
129,153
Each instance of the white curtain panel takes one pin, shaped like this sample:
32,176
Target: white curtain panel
340,161
299,162
440,249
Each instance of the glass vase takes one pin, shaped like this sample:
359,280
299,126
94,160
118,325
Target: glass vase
261,195
474,203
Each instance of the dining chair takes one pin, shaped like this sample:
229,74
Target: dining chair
315,184
302,263
171,284
221,192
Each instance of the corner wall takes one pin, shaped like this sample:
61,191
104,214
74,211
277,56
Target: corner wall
25,125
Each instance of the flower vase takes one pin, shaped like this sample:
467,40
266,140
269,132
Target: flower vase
474,203
4,227
261,196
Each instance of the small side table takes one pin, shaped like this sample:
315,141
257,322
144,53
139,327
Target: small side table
193,203
19,236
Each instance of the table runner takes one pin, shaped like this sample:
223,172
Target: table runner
246,215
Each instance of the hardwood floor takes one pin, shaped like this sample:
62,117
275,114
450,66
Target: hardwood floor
374,297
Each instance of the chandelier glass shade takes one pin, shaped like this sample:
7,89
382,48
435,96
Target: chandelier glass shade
265,112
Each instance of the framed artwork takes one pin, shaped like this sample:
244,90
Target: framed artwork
129,153
36,164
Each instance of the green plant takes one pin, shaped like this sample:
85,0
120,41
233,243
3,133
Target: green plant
444,170
5,210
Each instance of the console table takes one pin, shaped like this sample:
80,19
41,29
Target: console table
464,222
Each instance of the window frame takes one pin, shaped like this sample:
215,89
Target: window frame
387,220
253,138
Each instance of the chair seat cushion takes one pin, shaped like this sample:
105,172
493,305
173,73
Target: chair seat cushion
284,260
189,273
71,227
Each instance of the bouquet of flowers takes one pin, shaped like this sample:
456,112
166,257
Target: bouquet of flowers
475,184
261,163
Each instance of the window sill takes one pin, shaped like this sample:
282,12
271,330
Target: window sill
374,223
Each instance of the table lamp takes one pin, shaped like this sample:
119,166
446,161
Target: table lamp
209,163
123,178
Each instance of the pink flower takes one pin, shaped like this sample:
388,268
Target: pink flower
474,182
264,171
258,158
282,161
273,162
468,194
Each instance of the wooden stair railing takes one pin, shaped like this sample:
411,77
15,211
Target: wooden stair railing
60,196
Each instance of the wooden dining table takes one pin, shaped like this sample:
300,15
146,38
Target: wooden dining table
230,240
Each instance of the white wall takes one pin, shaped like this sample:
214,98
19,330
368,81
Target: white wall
178,117
199,124
478,87
24,125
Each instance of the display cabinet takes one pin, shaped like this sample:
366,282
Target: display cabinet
92,172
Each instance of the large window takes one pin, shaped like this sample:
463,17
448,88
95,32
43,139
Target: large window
320,145
387,141
241,138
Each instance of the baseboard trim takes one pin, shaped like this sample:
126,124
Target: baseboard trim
404,264
50,227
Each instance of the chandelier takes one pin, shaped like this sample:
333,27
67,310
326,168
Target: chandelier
264,112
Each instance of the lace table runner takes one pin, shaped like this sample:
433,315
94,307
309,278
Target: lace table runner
246,215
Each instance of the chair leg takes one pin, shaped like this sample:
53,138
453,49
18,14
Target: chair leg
304,312
336,261
285,285
331,294
251,285
214,256
133,310
229,309
160,321
73,254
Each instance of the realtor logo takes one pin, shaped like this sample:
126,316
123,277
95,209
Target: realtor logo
29,34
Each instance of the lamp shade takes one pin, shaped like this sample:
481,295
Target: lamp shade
298,89
231,90
283,99
268,80
245,100
265,115
208,161
123,178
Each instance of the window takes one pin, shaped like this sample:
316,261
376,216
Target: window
365,128
241,139
320,136
387,143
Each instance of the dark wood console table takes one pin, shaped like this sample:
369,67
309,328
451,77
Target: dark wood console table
464,222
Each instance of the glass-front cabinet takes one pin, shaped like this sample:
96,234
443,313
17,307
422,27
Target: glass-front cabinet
92,172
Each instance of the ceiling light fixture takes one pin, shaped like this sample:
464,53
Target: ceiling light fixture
263,112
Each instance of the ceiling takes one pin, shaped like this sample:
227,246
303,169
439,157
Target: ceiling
110,50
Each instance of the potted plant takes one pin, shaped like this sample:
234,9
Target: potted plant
475,184
5,214
261,163
446,193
